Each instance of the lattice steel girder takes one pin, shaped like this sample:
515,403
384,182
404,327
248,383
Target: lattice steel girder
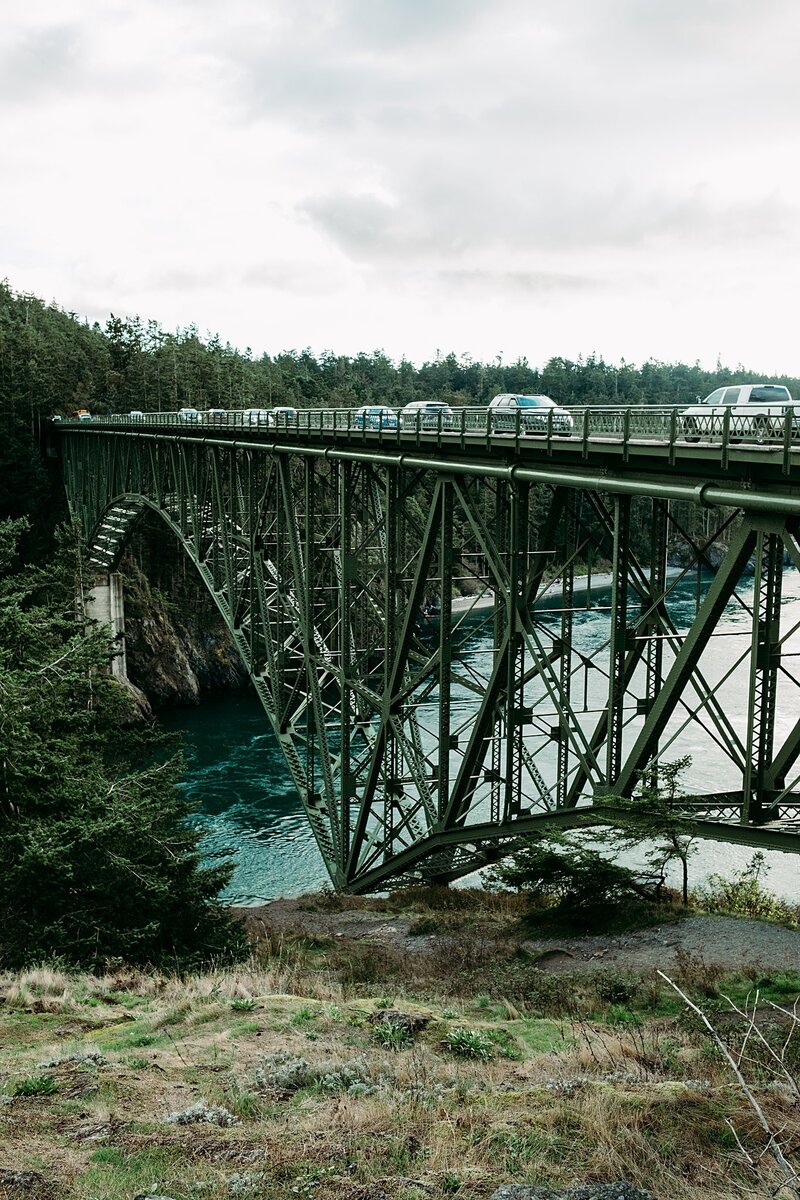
411,744
687,659
651,631
764,663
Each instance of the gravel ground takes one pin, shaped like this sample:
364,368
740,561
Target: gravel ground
728,941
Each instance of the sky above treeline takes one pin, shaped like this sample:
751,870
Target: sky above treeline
530,178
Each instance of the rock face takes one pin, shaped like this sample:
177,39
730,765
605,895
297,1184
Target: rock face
177,645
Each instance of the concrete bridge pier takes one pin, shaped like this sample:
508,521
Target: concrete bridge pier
105,605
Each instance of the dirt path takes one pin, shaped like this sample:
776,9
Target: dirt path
727,941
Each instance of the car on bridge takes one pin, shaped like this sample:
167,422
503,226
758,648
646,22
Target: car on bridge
374,416
756,410
537,414
136,414
282,416
426,414
215,416
255,416
188,414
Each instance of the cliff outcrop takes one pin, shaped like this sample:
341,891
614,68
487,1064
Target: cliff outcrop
177,645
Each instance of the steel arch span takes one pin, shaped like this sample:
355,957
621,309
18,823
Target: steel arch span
424,732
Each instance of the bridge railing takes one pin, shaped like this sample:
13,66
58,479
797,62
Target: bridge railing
777,428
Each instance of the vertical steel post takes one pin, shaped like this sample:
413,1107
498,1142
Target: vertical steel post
345,505
395,554
765,656
652,630
515,717
504,618
619,630
445,643
565,662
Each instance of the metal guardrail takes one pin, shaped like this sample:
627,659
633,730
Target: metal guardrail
637,426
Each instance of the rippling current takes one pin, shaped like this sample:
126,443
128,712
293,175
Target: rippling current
249,811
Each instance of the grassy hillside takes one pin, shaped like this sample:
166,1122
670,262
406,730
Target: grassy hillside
349,1069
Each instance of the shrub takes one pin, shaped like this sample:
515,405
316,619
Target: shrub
468,1043
573,888
744,895
36,1085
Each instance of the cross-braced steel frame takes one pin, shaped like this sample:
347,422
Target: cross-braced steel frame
389,610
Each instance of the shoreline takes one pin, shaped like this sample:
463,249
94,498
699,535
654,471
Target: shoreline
583,586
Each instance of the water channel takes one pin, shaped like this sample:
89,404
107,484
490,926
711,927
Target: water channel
248,807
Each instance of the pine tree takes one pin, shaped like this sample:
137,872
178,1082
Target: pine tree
98,860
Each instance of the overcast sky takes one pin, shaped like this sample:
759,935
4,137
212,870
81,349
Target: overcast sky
514,177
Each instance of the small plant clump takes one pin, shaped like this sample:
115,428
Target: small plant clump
392,1037
282,1074
468,1043
202,1114
36,1085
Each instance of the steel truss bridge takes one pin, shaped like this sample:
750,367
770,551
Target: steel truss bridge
427,733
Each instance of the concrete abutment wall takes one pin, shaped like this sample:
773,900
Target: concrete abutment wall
104,604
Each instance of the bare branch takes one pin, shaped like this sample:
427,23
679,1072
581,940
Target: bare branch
772,1145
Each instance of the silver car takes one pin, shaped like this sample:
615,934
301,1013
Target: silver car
537,414
426,414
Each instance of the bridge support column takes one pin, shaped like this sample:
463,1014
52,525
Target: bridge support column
104,604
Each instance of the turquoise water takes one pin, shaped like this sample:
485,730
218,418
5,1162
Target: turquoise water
249,810
248,807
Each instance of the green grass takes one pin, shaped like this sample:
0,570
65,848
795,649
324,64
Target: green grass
36,1085
538,1036
118,1174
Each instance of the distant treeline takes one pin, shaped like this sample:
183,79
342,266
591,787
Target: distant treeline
51,362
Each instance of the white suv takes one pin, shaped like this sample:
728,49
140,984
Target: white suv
756,410
534,415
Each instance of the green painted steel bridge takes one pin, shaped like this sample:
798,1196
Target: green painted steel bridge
347,563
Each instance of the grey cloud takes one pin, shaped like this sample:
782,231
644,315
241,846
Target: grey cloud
524,282
40,63
316,93
389,22
296,277
641,33
348,63
449,223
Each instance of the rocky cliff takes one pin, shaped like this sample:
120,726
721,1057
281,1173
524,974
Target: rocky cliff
176,642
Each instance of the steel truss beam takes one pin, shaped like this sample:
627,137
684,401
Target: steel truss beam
422,737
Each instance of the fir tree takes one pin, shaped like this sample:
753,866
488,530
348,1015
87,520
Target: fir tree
98,860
